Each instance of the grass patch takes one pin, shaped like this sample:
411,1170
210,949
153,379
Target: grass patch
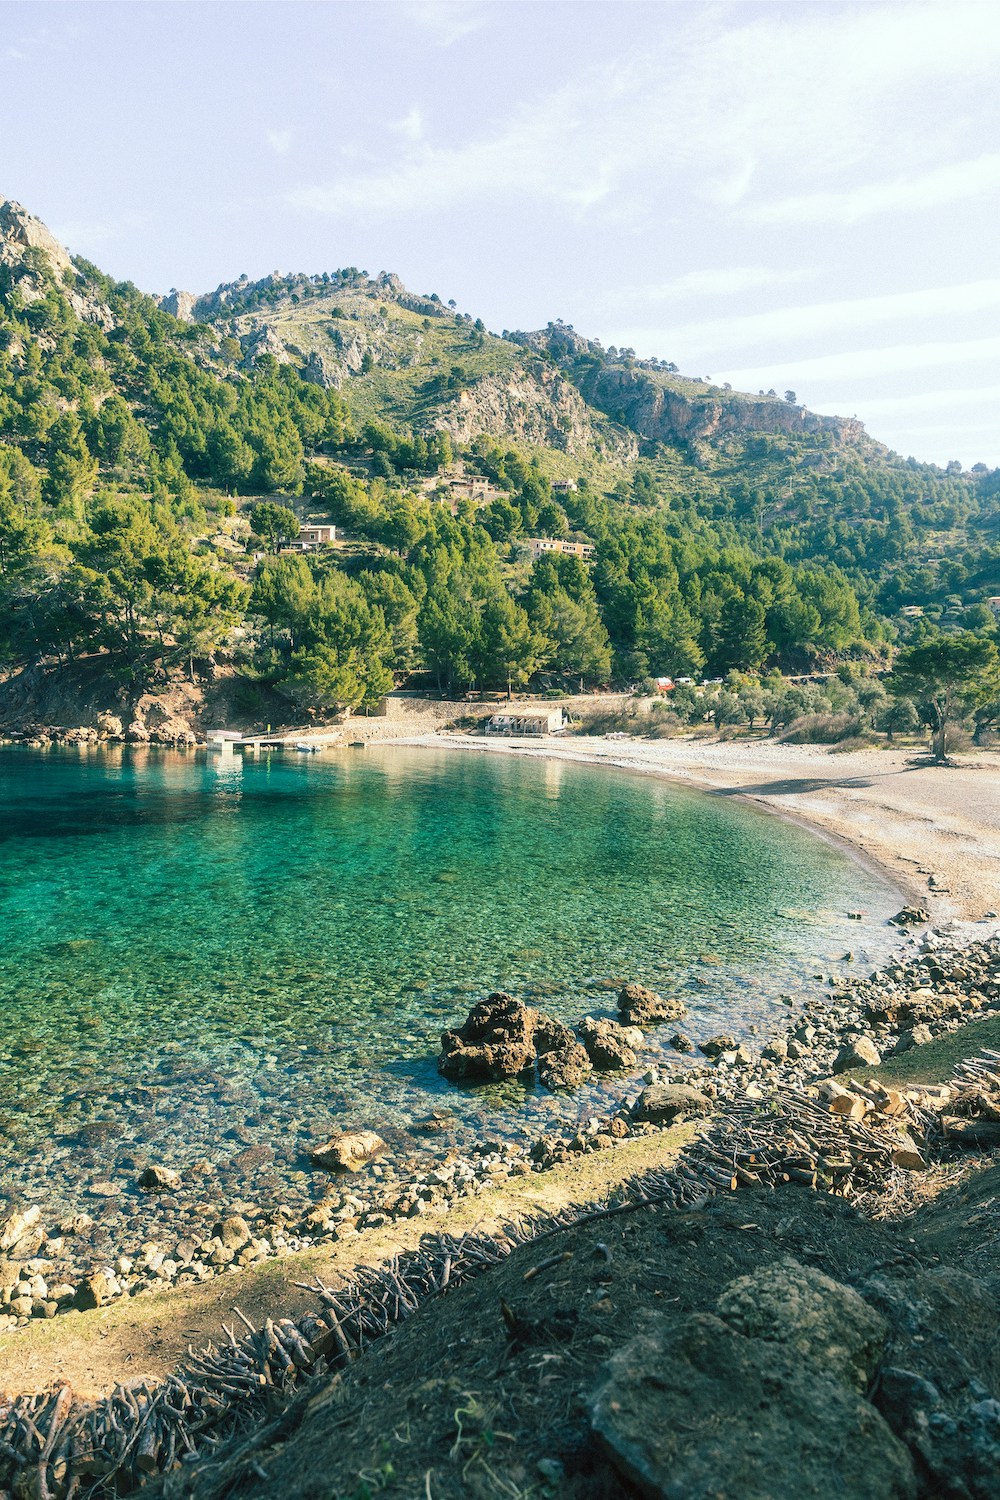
936,1061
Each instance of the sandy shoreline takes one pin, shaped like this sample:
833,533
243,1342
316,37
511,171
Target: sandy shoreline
934,830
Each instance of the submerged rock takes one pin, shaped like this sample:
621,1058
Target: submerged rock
642,1007
156,1179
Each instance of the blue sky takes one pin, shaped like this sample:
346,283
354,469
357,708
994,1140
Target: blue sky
801,196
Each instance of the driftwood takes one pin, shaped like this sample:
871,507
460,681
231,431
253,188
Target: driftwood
56,1448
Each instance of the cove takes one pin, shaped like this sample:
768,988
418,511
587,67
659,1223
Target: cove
213,961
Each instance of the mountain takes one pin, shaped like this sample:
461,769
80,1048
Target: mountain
158,454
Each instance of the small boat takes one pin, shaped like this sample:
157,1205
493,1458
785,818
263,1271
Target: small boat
307,747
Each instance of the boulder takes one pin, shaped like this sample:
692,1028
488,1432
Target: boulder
914,1036
552,1036
92,1292
16,1225
681,1042
911,916
497,1041
233,1231
819,1320
110,726
693,1410
609,1046
853,1056
716,1045
641,1007
565,1067
664,1103
347,1151
156,1179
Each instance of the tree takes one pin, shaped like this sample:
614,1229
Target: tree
573,639
509,649
948,675
274,524
743,639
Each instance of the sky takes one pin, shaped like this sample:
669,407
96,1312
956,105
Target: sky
801,196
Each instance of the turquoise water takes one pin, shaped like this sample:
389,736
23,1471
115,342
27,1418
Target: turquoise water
202,955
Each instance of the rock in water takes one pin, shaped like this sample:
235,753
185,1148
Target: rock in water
716,1045
693,1410
347,1151
157,1179
663,1103
609,1046
497,1041
562,1062
642,1007
564,1067
815,1317
911,916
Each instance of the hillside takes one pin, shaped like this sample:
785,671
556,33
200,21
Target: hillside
157,455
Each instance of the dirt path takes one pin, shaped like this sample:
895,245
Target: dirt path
145,1337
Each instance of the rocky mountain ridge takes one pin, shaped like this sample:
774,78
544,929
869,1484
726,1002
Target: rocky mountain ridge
410,358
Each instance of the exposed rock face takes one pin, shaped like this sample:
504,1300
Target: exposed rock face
319,370
533,406
693,1410
667,410
665,1103
609,1046
642,1007
23,238
348,1150
262,340
180,305
20,231
497,1041
818,1319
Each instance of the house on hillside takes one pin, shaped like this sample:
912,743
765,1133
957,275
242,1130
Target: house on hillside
316,536
535,721
538,546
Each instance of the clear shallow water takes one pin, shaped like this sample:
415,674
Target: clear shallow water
203,955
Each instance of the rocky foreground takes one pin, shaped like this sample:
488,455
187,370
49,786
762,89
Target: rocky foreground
911,1002
794,1116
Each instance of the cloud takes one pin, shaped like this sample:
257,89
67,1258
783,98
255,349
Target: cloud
447,21
947,184
411,126
535,154
279,141
711,281
966,399
859,364
711,106
785,325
